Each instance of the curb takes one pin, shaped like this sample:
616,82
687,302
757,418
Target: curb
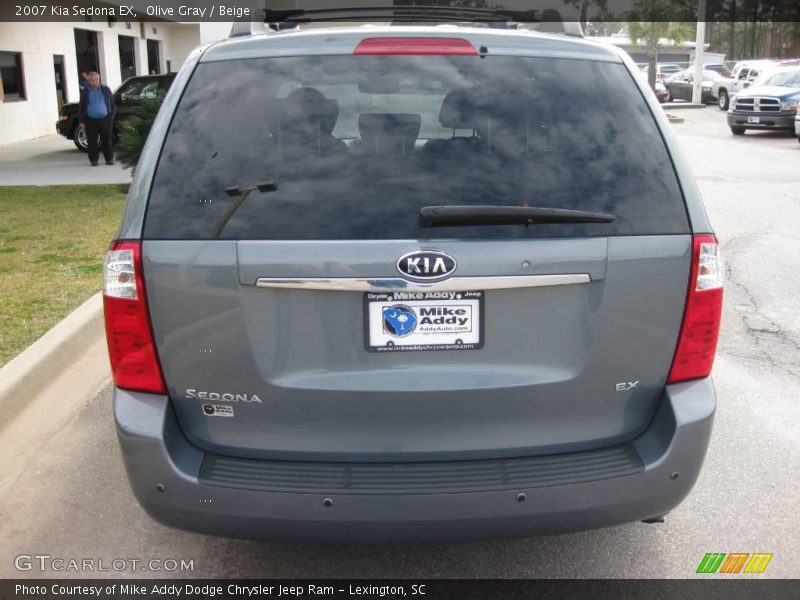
27,374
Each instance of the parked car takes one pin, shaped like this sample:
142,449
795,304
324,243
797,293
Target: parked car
662,95
669,68
357,294
681,86
775,76
719,68
743,75
128,97
797,126
770,105
663,70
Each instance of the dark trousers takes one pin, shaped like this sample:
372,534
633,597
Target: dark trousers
101,128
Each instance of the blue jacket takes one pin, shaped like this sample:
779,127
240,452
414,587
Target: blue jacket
110,104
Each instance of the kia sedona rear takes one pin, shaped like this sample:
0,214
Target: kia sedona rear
402,283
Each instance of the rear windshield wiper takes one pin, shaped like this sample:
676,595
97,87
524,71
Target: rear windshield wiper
433,216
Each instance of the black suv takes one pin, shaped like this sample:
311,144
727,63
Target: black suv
128,98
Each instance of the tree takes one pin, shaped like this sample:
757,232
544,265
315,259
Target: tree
602,6
648,34
134,131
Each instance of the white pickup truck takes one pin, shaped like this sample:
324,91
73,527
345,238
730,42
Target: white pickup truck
743,74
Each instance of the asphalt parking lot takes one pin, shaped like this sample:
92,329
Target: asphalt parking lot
71,500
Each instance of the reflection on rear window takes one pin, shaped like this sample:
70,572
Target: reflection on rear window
356,145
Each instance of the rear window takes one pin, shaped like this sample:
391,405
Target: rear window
786,79
351,147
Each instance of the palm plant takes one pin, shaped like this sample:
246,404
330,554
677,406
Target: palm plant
649,33
134,131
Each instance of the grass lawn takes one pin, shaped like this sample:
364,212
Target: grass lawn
52,243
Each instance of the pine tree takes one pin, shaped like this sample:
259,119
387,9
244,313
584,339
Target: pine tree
134,131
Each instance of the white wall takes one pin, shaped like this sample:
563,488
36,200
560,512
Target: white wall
179,42
38,42
140,48
211,32
109,44
184,37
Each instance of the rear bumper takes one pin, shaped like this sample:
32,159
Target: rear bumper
646,478
767,120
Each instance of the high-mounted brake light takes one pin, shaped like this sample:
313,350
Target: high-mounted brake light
131,348
412,45
697,342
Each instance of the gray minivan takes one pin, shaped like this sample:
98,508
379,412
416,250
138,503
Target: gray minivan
411,282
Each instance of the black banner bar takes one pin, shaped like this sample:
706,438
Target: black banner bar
710,588
253,10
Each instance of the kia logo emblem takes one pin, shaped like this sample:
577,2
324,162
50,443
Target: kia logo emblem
426,265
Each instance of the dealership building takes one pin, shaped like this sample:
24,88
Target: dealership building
40,63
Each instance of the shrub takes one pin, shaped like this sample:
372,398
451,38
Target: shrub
134,131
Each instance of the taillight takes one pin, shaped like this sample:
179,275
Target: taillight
412,45
697,343
131,348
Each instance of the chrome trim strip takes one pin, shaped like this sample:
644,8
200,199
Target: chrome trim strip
454,284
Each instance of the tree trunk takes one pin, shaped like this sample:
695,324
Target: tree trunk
584,12
774,32
710,34
744,39
652,55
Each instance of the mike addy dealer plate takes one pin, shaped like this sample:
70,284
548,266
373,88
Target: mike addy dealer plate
419,321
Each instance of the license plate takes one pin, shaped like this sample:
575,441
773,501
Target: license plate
753,119
416,321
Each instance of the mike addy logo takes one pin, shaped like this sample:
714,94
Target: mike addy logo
399,320
194,394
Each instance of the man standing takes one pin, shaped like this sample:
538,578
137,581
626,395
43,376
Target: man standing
97,110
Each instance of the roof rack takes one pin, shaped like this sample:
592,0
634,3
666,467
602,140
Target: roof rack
421,13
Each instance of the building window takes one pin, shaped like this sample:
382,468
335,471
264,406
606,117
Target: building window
12,82
127,57
153,57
